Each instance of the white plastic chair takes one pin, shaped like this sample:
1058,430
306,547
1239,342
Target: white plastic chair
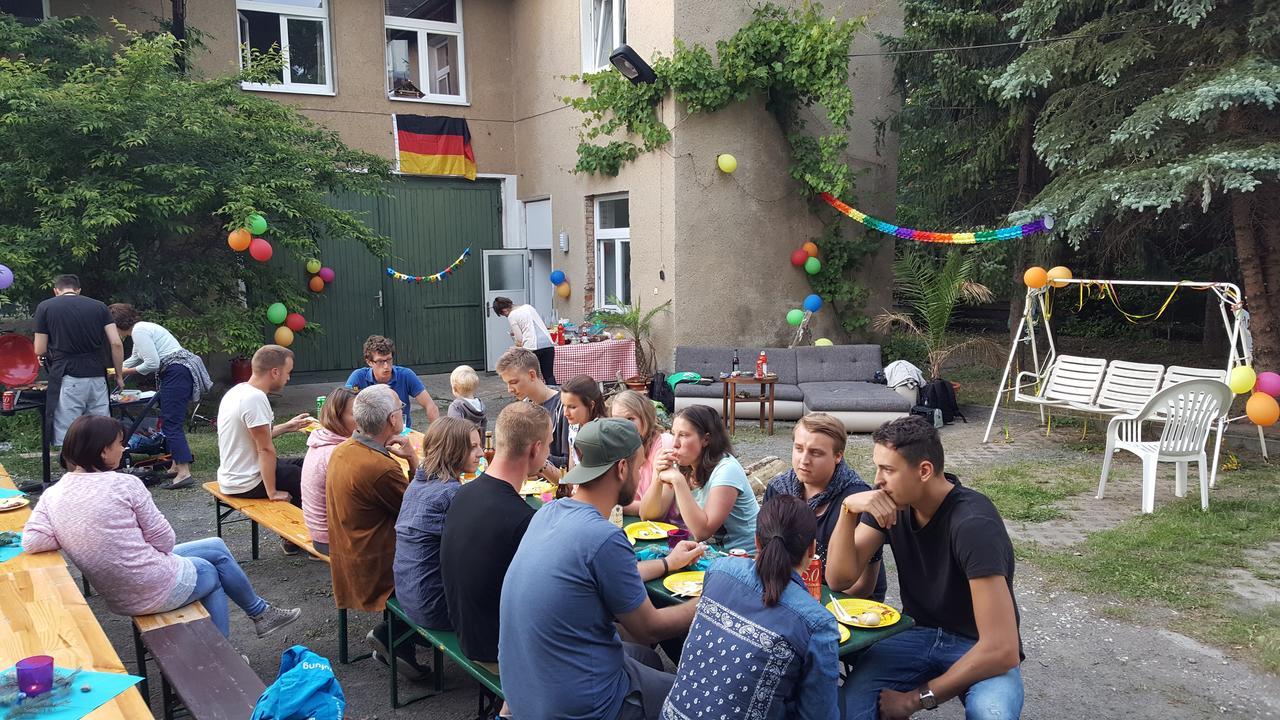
1179,374
1126,387
1188,410
1072,379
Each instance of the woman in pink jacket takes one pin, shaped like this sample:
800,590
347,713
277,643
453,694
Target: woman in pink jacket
336,425
109,526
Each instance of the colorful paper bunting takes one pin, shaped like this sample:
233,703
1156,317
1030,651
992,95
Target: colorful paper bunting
967,238
435,277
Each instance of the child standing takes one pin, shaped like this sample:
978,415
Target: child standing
583,402
463,381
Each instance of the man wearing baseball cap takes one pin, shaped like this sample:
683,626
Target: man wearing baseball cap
573,577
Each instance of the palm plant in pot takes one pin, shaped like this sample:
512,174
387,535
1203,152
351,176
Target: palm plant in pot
637,323
932,289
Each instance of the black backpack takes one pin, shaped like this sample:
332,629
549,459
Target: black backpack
939,394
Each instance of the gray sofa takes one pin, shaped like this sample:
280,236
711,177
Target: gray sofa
834,380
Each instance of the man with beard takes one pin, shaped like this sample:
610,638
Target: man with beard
577,575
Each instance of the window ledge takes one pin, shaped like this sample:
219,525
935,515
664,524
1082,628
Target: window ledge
289,89
462,101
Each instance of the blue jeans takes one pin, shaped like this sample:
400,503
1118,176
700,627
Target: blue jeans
175,395
907,661
218,577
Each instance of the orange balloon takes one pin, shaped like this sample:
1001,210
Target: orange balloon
810,249
284,336
1035,277
1262,409
239,240
1061,272
316,283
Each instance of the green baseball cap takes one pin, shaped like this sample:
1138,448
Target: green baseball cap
601,443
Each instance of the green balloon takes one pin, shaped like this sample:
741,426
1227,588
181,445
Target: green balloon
313,266
276,313
257,224
795,316
812,266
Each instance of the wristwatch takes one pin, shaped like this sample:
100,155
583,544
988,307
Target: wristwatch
927,700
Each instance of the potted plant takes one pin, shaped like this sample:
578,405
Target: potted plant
637,323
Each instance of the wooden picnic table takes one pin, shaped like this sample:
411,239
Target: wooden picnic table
43,613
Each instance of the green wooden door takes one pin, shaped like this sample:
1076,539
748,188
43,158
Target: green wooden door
436,326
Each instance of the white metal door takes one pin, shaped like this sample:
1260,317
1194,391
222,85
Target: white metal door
506,274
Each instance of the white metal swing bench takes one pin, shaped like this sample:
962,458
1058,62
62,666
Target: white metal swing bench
1132,393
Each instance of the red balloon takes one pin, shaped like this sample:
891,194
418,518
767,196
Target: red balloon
260,250
295,322
798,257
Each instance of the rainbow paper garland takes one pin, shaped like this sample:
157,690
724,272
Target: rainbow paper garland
970,238
436,277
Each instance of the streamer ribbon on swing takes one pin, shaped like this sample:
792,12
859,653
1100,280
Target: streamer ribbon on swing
1012,232
444,274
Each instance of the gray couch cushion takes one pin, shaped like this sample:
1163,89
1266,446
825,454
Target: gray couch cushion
840,362
852,397
710,361
715,390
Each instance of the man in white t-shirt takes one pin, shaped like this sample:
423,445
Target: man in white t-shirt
529,332
248,466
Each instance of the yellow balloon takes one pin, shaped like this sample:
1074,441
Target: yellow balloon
822,342
1060,272
1035,277
1242,379
726,162
284,336
563,289
1262,409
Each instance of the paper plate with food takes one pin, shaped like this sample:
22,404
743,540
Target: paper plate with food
859,613
648,530
685,584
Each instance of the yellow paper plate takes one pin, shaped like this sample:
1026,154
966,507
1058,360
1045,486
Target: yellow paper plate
648,530
536,487
844,633
688,584
856,606
13,503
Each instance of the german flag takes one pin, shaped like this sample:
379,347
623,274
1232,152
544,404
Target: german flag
435,145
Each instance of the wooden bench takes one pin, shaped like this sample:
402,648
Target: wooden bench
443,642
197,665
285,520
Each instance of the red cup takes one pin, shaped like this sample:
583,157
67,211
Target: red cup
35,675
675,536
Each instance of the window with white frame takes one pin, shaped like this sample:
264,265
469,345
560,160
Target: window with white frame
26,9
424,51
604,27
613,250
299,29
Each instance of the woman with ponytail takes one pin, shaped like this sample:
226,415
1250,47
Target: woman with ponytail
781,644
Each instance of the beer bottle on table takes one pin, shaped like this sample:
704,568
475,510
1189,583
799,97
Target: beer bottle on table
735,360
488,448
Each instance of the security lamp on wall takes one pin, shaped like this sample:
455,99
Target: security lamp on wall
564,241
631,65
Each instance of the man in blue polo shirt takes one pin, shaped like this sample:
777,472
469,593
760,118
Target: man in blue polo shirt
379,353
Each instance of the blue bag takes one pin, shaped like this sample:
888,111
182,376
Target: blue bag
305,689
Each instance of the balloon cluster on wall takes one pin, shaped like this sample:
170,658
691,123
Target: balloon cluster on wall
288,323
435,277
561,281
812,304
806,256
1262,408
244,238
320,275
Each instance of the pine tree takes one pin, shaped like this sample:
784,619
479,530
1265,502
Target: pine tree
1155,109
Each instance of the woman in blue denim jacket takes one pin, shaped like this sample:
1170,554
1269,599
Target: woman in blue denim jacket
761,647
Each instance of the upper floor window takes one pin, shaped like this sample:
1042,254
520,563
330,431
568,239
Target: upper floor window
425,51
604,27
32,9
300,30
613,250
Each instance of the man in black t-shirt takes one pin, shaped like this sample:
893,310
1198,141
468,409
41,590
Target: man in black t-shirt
484,526
955,570
72,334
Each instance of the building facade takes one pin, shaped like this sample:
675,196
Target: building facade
669,227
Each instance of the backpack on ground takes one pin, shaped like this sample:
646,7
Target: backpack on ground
939,393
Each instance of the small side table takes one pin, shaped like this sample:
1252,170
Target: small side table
768,392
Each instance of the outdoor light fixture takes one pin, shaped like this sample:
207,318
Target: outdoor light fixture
630,64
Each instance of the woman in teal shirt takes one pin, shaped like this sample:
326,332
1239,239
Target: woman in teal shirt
707,484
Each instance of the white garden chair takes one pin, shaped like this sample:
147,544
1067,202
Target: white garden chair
1126,387
1189,411
1071,379
1179,374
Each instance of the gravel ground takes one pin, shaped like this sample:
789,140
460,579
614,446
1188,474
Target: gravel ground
1080,663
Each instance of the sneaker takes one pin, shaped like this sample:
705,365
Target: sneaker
274,618
406,662
289,548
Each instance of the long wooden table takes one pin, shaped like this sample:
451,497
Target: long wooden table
42,612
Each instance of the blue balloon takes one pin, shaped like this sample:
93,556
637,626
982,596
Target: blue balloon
557,277
813,303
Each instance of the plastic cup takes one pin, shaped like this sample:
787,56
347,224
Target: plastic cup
35,675
675,536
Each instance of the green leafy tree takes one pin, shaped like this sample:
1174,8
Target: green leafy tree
118,168
1160,110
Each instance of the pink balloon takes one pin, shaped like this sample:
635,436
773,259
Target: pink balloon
326,274
1269,383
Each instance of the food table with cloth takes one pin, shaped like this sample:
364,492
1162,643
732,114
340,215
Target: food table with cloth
604,361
